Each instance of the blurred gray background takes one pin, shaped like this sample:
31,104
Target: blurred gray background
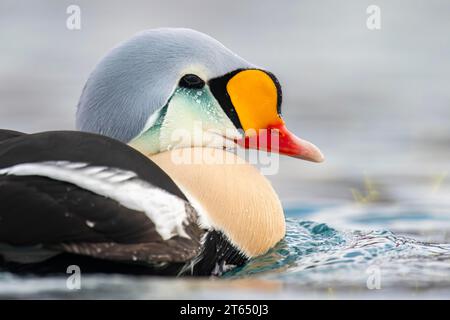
376,102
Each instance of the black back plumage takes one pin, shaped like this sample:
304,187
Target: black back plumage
78,224
85,147
9,134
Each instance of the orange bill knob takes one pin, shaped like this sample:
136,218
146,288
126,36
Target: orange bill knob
256,98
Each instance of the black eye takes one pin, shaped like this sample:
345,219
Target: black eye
191,81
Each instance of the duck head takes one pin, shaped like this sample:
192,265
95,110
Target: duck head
173,88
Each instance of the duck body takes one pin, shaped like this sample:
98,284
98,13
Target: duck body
74,198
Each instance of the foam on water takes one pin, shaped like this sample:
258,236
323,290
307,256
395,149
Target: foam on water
316,255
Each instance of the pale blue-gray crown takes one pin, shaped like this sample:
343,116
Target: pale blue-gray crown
138,77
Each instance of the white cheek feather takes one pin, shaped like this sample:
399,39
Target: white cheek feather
165,210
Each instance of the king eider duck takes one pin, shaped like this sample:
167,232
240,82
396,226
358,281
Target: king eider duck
110,198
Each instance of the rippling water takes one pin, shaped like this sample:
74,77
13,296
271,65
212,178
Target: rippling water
315,260
315,255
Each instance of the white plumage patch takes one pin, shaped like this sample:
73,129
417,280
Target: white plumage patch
166,211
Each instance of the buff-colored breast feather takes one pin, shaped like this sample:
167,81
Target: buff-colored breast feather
235,197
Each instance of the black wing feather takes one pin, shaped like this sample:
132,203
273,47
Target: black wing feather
9,134
84,147
66,218
61,216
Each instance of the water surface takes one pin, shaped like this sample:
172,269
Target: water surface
377,103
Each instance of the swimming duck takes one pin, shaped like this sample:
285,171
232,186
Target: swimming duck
111,198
